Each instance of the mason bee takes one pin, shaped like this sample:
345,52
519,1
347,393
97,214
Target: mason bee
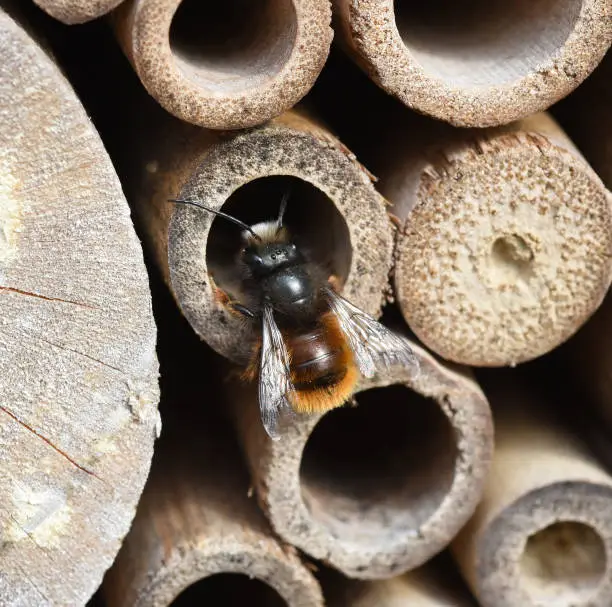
312,344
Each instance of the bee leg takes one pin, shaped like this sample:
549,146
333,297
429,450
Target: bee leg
238,307
334,282
224,299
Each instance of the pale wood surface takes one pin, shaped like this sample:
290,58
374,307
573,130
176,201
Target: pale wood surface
78,368
506,247
376,490
541,475
73,12
485,64
205,74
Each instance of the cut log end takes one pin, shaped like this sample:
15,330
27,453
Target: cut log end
78,370
73,12
377,489
483,65
227,65
507,252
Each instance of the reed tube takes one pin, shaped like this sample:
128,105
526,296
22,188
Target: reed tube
375,489
226,65
506,246
78,368
477,65
542,533
333,210
198,538
72,12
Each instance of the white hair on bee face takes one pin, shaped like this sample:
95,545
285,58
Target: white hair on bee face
267,231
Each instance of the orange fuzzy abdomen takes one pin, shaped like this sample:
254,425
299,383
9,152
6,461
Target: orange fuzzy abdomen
323,370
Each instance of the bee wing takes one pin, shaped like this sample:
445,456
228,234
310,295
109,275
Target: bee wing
274,375
375,347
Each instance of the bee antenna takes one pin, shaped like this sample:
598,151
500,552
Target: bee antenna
283,208
243,225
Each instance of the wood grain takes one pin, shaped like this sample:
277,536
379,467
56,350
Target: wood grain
542,533
376,489
227,65
485,64
78,368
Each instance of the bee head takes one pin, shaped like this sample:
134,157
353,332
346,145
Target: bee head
263,258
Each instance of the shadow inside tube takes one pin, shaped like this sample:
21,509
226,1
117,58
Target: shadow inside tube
381,468
234,44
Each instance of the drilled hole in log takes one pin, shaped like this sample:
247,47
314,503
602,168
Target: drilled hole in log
229,589
318,227
232,45
484,42
375,472
563,563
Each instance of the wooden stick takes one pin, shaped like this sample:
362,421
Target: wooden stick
226,65
541,534
377,489
72,12
333,208
427,586
78,369
506,249
482,65
198,534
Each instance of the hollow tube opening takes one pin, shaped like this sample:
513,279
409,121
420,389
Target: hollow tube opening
317,226
372,473
563,563
484,42
232,45
229,589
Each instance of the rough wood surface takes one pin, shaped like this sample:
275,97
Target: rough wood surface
72,12
78,369
226,65
485,64
377,489
542,533
506,249
333,208
198,533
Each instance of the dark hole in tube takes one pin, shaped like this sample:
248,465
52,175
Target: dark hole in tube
380,469
311,217
234,44
484,42
229,589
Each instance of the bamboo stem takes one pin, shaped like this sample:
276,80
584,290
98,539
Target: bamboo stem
198,538
78,369
506,249
377,489
72,12
333,209
480,65
227,65
543,531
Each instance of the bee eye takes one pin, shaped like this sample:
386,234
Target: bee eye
273,256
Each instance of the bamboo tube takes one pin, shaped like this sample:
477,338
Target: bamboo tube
226,65
480,65
198,538
427,586
333,209
78,369
506,247
377,489
72,12
542,534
